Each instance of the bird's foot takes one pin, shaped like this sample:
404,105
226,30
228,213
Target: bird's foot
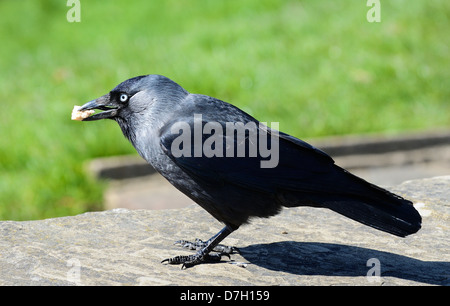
192,260
204,248
200,244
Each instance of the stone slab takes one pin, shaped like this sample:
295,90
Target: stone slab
300,246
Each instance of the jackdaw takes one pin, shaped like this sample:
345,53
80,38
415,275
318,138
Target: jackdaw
195,142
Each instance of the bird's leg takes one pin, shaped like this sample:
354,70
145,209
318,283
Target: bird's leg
200,244
205,248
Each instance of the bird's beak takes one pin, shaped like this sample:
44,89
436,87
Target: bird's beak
102,103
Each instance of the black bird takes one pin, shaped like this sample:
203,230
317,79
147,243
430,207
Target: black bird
154,112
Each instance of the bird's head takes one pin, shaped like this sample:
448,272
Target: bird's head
132,96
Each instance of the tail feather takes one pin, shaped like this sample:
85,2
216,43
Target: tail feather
379,208
402,221
361,201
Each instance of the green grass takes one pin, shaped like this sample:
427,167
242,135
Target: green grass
317,67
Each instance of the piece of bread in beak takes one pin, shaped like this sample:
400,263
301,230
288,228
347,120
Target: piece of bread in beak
77,115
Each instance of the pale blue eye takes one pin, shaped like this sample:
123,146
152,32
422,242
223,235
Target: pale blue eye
123,97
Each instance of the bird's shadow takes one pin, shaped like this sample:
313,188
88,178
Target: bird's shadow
314,258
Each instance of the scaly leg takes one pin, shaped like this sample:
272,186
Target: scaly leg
202,254
200,244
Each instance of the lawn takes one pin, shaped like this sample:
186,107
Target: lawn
317,67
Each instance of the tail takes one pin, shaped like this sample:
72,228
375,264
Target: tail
364,202
377,207
397,217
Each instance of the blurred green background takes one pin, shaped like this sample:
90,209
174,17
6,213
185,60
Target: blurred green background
317,67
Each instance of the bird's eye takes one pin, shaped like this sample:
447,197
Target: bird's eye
123,97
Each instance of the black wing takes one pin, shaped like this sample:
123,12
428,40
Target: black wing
299,166
304,175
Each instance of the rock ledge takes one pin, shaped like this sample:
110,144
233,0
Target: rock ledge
300,246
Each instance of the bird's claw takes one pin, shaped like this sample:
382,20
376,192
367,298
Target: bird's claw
199,244
192,260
